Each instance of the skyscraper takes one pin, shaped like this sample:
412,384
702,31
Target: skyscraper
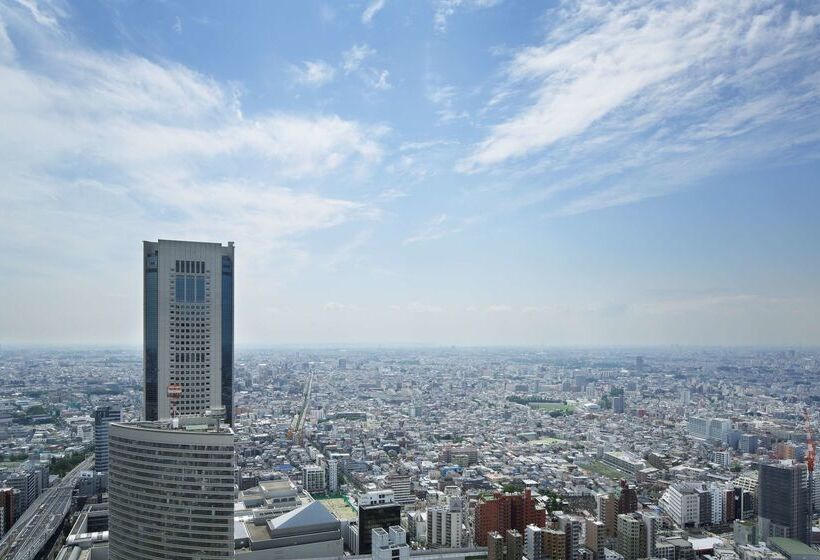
171,489
103,416
784,501
188,327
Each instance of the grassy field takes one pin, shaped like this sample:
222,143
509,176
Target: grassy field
598,467
550,406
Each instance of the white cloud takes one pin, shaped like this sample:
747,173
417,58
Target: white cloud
379,79
314,73
499,308
435,228
643,95
353,57
443,9
177,26
372,9
149,149
45,13
445,96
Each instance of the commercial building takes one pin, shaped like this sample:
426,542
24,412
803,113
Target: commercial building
682,504
401,486
332,476
309,531
390,544
636,535
188,327
623,461
171,489
595,537
444,524
495,546
376,510
268,499
784,508
8,504
103,416
793,549
313,478
515,544
463,456
506,511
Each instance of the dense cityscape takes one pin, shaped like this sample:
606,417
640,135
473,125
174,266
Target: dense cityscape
452,453
409,280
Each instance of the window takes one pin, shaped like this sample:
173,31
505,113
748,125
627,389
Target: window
200,289
180,288
189,289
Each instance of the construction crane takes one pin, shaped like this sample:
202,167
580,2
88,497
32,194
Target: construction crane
810,457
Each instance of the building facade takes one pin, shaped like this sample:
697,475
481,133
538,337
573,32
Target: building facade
507,511
188,316
103,416
171,490
376,510
444,524
784,502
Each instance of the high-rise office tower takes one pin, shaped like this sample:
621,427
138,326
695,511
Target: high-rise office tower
618,404
188,327
103,416
784,501
171,490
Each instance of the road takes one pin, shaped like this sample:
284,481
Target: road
42,518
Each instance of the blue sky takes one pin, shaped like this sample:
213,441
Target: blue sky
433,172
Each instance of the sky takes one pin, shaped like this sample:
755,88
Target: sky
435,172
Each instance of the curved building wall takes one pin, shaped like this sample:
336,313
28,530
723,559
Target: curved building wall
171,493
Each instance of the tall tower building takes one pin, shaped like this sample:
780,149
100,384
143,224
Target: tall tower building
784,502
103,416
188,327
171,489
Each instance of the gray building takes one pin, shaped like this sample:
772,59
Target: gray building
103,416
188,327
784,500
171,490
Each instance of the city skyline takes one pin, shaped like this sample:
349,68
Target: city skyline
444,173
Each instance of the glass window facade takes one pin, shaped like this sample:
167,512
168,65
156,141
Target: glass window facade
151,335
227,337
